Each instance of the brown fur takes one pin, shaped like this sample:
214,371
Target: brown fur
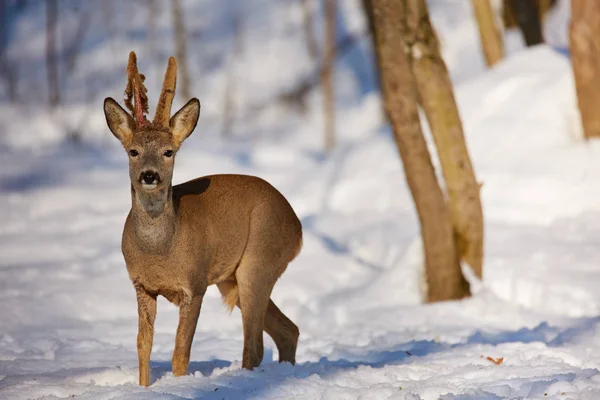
235,231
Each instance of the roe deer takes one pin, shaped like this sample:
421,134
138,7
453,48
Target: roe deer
235,231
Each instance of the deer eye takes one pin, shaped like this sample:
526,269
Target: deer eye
133,153
168,153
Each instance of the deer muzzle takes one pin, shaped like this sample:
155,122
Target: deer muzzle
149,179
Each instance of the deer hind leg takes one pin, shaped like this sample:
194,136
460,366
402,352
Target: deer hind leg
272,244
254,292
283,331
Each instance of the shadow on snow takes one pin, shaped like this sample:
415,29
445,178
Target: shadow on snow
260,382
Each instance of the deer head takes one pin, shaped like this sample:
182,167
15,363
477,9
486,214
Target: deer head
151,145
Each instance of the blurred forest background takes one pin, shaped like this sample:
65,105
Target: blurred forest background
261,74
246,62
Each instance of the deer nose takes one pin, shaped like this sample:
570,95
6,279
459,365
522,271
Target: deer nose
149,177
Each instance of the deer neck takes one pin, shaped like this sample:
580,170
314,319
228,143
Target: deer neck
154,219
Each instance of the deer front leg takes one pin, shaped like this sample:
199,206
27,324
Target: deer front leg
146,317
188,318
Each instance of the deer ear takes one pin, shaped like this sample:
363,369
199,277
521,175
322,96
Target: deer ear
120,123
184,121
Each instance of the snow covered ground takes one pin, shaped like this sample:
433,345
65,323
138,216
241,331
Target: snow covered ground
67,309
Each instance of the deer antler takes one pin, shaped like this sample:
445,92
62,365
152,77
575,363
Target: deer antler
136,91
163,108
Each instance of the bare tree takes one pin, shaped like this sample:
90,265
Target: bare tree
509,18
74,47
437,99
491,39
229,109
400,94
181,48
543,7
327,74
51,52
7,71
508,15
527,16
309,29
585,56
152,29
296,96
3,25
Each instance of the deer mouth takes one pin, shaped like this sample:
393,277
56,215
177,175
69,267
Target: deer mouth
150,186
149,180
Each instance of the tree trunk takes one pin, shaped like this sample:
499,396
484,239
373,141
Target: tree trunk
229,104
3,28
399,87
437,99
7,71
508,15
72,50
491,40
309,29
181,49
528,18
543,6
51,53
152,28
584,36
327,74
368,9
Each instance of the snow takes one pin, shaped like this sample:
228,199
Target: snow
68,318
